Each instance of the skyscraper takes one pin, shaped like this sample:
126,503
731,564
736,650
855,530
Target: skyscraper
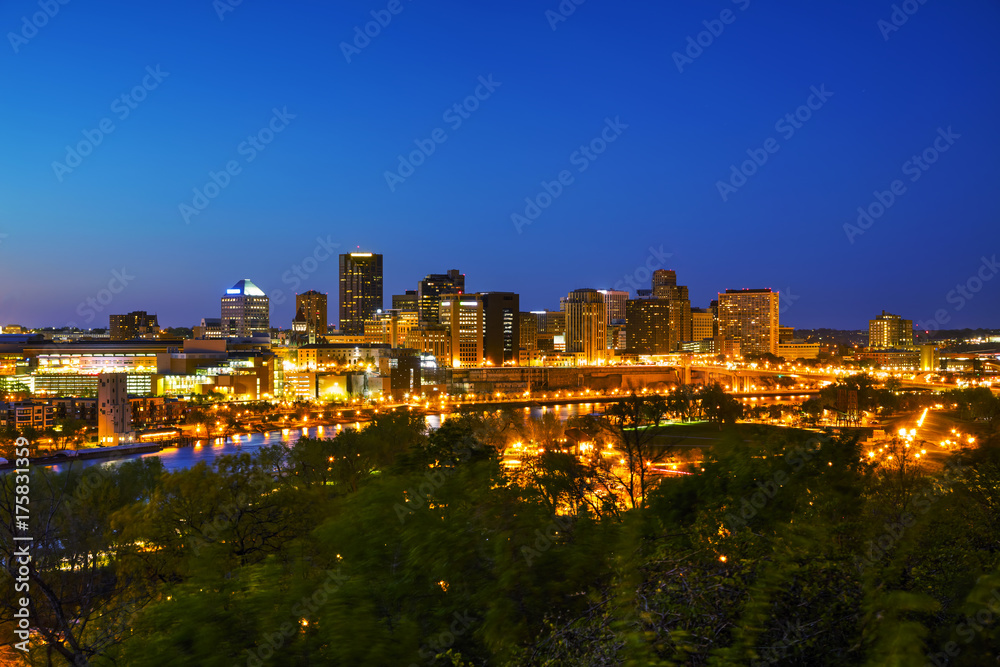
501,327
586,324
749,317
431,288
655,326
312,304
663,279
614,301
462,314
890,331
360,290
245,310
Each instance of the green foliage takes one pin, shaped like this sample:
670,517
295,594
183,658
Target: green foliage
392,545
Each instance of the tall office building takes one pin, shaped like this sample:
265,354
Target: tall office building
406,302
501,327
431,288
463,316
245,311
587,324
656,326
360,290
136,324
749,318
662,280
312,305
888,331
114,413
702,324
614,301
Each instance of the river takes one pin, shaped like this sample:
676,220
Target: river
180,458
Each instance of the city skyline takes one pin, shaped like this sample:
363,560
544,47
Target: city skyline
578,165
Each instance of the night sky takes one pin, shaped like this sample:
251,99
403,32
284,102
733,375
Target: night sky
659,133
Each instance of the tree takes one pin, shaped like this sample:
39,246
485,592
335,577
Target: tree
634,420
719,406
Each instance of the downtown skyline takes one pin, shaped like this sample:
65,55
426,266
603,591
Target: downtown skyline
743,165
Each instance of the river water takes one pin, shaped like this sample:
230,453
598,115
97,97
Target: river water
180,458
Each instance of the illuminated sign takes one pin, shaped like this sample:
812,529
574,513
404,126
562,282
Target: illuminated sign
232,291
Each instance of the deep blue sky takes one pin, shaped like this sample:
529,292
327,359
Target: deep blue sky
656,185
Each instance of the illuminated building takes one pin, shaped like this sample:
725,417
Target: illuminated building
360,290
431,288
888,331
312,305
245,311
210,327
114,412
463,315
587,325
748,321
614,304
501,327
406,302
663,281
655,326
702,324
137,324
432,339
27,414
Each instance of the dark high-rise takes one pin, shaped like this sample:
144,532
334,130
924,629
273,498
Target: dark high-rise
429,293
501,327
312,305
360,290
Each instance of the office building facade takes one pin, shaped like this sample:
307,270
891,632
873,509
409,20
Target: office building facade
501,327
888,331
137,324
429,293
587,325
313,306
360,290
748,321
245,311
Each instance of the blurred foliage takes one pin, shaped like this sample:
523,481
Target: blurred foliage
394,545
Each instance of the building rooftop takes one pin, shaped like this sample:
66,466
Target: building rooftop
245,287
